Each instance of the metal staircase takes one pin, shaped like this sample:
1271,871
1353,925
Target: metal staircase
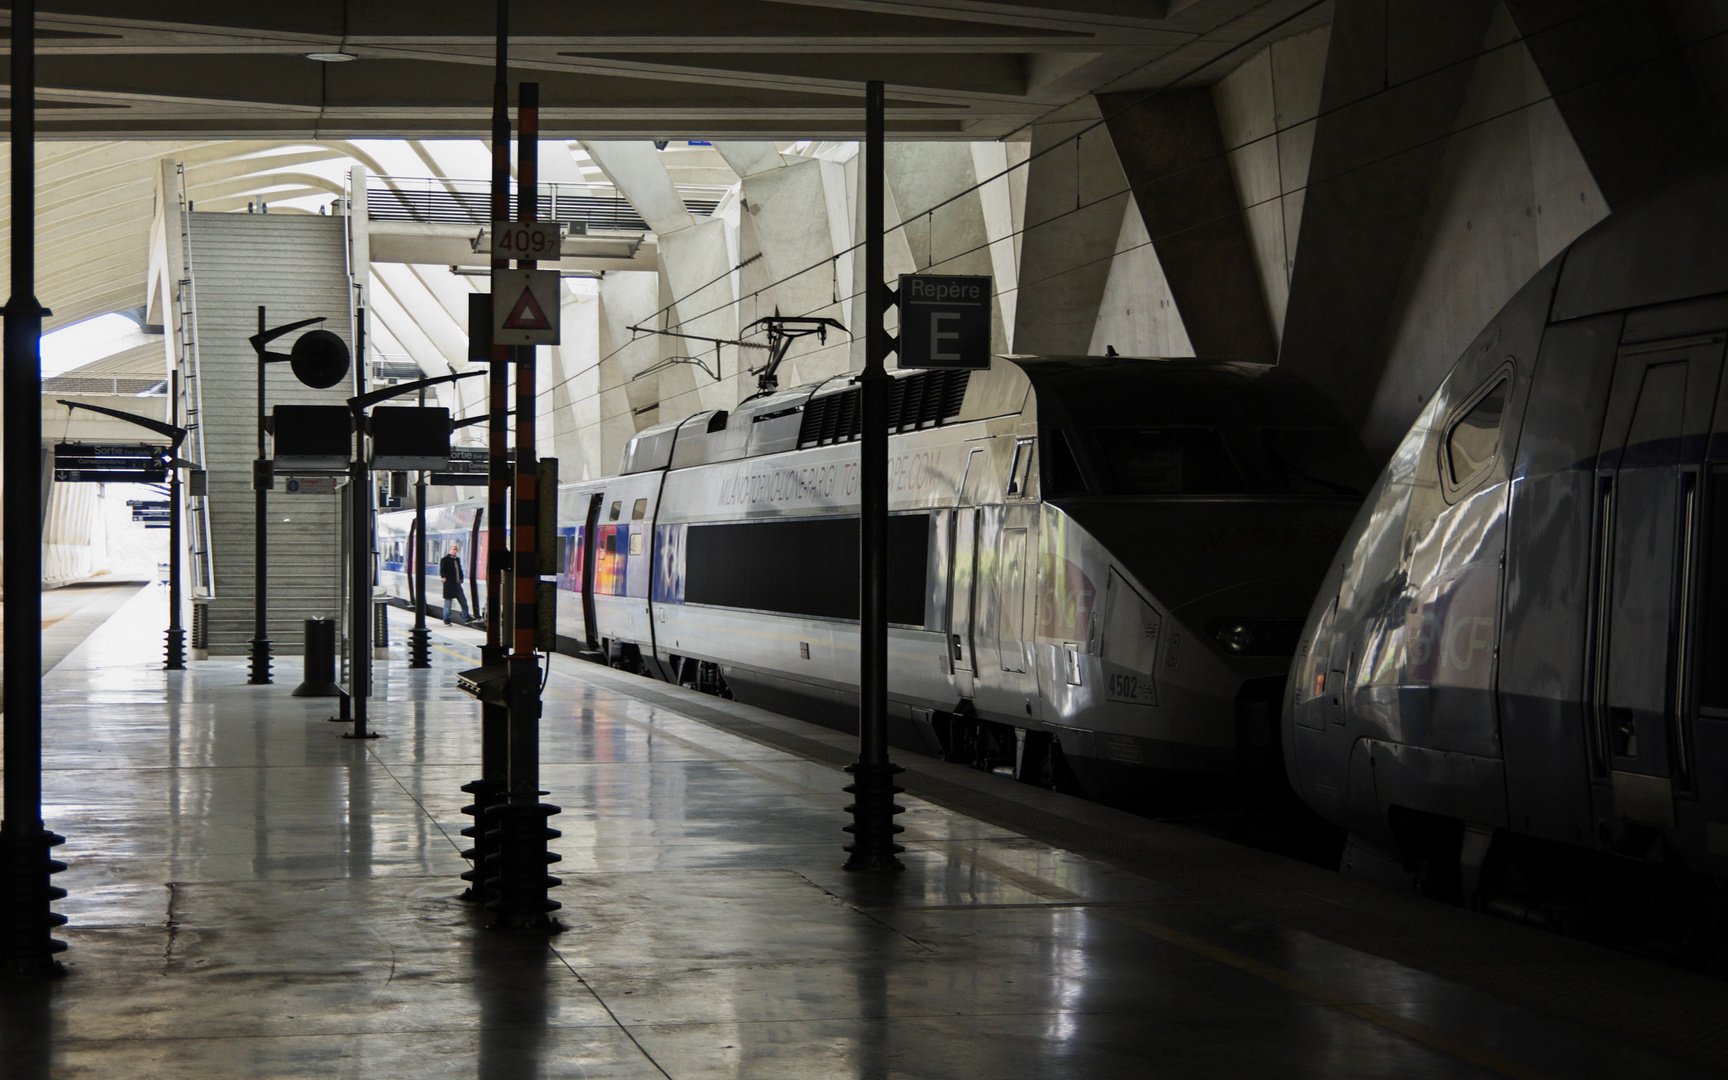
296,266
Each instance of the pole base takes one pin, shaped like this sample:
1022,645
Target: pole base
517,870
260,659
419,647
176,660
362,735
873,827
487,794
27,945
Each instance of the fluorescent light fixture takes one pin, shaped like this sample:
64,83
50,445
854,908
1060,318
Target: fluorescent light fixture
331,57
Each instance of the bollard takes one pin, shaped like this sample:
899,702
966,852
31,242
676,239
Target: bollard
380,628
320,660
200,628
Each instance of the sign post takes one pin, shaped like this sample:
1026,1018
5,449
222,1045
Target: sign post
27,918
873,787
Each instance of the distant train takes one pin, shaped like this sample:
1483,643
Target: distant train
1098,566
1513,687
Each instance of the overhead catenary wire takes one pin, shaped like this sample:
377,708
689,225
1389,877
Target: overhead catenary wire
1225,153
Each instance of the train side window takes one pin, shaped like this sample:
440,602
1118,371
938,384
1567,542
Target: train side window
617,507
1713,677
1021,468
1473,439
640,510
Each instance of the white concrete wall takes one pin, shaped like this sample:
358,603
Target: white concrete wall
1512,192
1266,111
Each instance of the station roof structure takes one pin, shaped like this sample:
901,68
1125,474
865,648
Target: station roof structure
966,69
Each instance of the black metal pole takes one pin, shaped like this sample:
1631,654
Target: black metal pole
488,789
873,788
176,633
360,562
420,639
27,921
522,881
262,478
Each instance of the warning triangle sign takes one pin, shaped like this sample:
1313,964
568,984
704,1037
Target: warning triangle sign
526,314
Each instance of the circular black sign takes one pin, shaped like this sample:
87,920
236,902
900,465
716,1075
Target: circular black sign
319,359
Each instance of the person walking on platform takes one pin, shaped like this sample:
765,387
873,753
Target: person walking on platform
450,569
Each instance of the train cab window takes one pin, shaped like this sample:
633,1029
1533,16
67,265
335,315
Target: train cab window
1168,461
1713,676
1021,468
1472,439
640,510
1319,461
612,515
1065,475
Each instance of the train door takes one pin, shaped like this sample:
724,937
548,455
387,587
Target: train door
1647,518
962,577
590,626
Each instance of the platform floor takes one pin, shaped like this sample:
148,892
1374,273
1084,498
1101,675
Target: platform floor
253,896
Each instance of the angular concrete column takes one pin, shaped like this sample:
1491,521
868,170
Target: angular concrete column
1066,254
1173,154
1395,77
1624,85
610,394
953,237
796,218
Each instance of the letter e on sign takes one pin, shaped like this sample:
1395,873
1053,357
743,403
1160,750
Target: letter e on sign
944,321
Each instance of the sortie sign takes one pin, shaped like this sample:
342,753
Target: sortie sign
944,321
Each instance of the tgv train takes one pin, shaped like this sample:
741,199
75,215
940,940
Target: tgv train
1513,685
1098,566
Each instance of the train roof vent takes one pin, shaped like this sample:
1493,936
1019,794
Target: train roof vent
920,400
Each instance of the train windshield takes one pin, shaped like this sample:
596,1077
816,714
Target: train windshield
1167,461
1200,460
1318,461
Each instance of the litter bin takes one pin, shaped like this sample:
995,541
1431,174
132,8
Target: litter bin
320,657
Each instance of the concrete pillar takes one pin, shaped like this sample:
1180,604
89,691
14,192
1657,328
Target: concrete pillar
1395,76
609,394
1065,253
1625,87
1510,192
1173,154
1266,110
952,237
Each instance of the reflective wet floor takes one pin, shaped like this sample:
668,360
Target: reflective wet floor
253,895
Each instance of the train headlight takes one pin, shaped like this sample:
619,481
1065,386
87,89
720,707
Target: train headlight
1237,637
1255,637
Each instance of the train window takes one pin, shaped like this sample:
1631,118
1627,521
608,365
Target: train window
1713,676
1319,461
640,510
799,566
1168,461
612,515
1065,475
1021,468
1473,438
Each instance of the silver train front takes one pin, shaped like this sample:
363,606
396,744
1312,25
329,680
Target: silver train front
1051,614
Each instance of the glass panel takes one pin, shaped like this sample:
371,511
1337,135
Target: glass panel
1319,461
1713,619
1471,443
1168,461
640,510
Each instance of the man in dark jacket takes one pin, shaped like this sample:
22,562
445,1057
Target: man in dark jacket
450,569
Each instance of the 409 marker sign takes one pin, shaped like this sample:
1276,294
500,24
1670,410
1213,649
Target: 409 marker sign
525,307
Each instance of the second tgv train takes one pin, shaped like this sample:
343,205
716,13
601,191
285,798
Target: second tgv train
1512,689
1098,566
